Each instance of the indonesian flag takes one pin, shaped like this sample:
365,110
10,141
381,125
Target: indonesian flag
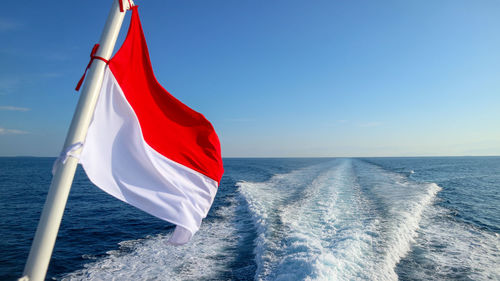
147,148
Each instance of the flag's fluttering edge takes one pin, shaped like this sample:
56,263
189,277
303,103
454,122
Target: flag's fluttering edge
147,148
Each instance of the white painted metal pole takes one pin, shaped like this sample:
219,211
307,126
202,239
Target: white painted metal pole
50,220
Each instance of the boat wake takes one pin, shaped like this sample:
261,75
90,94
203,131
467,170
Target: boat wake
343,220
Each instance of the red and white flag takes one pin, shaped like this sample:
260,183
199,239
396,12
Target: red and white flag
147,148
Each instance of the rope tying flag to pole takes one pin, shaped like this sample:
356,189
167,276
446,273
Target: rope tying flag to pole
96,47
92,57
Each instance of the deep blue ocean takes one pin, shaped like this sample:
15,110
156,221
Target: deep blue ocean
276,219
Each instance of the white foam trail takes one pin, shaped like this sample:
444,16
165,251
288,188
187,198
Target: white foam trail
153,259
452,249
404,229
280,256
337,228
400,205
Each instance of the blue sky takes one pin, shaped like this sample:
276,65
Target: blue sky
277,78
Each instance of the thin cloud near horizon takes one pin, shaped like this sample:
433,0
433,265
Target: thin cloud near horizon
4,131
13,108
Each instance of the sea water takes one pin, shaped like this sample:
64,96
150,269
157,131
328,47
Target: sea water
276,219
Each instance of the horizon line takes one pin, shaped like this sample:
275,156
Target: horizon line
278,157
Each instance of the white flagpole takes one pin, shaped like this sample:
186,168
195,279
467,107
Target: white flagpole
50,220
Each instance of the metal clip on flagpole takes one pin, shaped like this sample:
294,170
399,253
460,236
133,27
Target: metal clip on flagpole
50,220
